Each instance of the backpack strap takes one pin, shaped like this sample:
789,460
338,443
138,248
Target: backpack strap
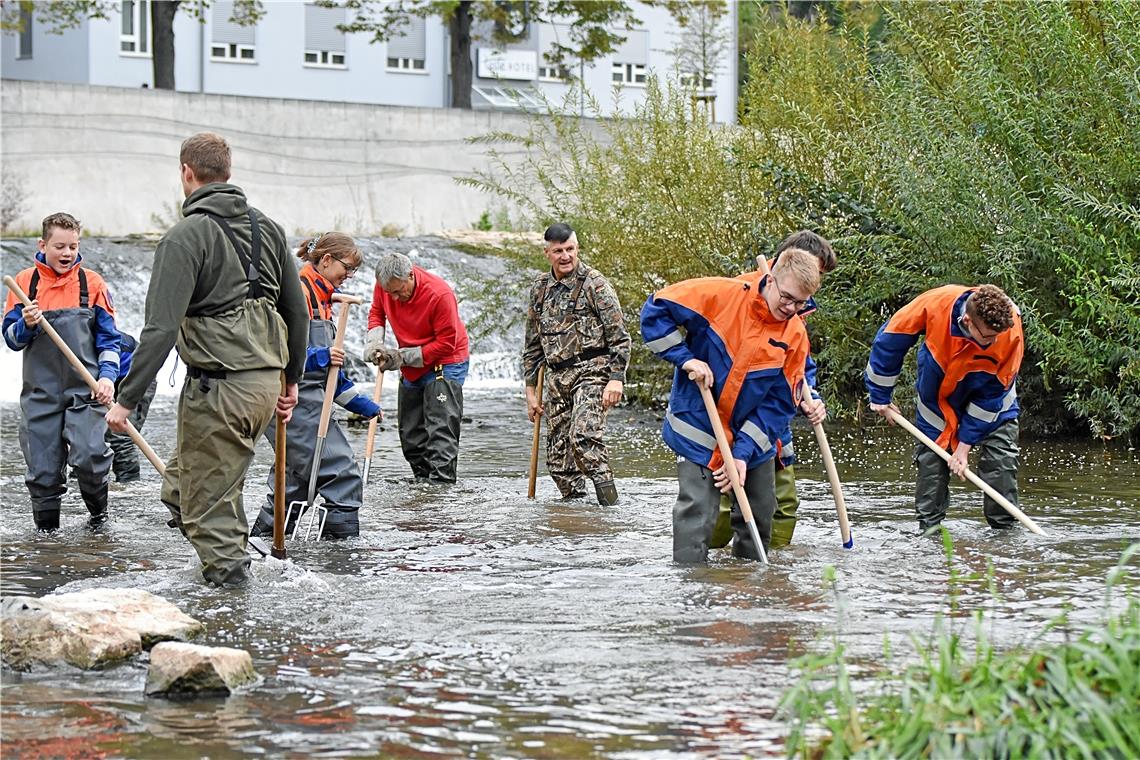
34,285
251,262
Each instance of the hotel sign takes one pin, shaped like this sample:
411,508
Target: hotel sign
508,64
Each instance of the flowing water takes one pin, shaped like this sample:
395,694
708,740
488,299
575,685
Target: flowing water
469,621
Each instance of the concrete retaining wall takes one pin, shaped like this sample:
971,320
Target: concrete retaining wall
110,156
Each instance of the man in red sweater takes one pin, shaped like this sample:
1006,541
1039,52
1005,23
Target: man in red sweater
432,357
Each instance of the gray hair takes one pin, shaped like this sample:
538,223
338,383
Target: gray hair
393,266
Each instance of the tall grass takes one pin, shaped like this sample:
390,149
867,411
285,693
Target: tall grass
964,698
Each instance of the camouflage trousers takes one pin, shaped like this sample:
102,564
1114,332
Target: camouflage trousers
575,440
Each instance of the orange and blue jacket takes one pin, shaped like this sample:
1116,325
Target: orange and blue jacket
318,294
757,361
965,390
65,291
785,447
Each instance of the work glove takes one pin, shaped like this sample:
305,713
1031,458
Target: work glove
412,357
373,344
387,358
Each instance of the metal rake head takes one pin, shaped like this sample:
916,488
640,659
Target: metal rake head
309,518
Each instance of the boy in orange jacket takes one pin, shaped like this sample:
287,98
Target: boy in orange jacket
62,423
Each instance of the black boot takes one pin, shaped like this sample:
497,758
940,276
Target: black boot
95,497
47,520
607,493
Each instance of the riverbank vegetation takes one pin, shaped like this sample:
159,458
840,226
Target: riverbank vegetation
961,142
963,698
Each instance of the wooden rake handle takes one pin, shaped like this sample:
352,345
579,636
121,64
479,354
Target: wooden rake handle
832,477
1005,503
532,483
730,464
334,372
80,368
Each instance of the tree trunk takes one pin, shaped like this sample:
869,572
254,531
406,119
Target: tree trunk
162,42
461,73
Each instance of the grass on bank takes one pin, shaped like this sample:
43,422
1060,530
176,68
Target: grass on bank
966,699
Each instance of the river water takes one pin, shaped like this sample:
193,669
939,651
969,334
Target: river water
470,621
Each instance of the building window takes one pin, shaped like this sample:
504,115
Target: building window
230,42
629,73
232,52
548,73
692,81
408,53
406,64
25,30
324,42
324,58
134,36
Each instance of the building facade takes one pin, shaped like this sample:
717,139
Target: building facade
295,51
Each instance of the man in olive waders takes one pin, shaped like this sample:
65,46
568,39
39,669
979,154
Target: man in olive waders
225,289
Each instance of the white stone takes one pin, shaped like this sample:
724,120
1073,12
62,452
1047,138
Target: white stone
88,629
182,669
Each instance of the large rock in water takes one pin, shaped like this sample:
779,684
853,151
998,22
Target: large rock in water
188,669
88,629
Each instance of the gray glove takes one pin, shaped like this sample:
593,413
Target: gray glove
373,343
412,357
387,358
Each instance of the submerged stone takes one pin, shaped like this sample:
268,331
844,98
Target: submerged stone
88,629
178,669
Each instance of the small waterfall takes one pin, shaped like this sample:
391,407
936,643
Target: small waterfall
125,264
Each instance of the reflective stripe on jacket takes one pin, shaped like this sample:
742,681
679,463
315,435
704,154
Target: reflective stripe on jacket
965,390
757,362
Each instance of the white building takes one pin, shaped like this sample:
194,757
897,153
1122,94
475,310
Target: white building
296,52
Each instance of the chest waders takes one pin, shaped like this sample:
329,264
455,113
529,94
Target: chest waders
338,480
575,440
234,361
61,425
430,416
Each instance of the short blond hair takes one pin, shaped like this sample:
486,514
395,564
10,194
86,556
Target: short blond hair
208,155
801,266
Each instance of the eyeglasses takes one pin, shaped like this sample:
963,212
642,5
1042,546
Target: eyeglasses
350,271
965,323
796,303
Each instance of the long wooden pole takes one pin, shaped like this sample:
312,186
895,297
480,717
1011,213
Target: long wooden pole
832,477
330,391
279,486
1005,503
373,424
79,367
730,468
532,484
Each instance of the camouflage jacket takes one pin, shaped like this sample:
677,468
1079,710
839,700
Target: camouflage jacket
574,320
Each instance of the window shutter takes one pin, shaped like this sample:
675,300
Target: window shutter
413,44
225,30
635,49
321,31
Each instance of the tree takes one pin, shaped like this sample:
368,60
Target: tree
701,45
591,22
61,15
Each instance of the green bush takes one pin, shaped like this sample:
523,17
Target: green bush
961,142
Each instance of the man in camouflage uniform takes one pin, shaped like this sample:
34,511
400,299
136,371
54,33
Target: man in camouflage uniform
575,327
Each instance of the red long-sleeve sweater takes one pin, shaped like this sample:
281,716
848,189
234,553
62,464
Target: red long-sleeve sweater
429,319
